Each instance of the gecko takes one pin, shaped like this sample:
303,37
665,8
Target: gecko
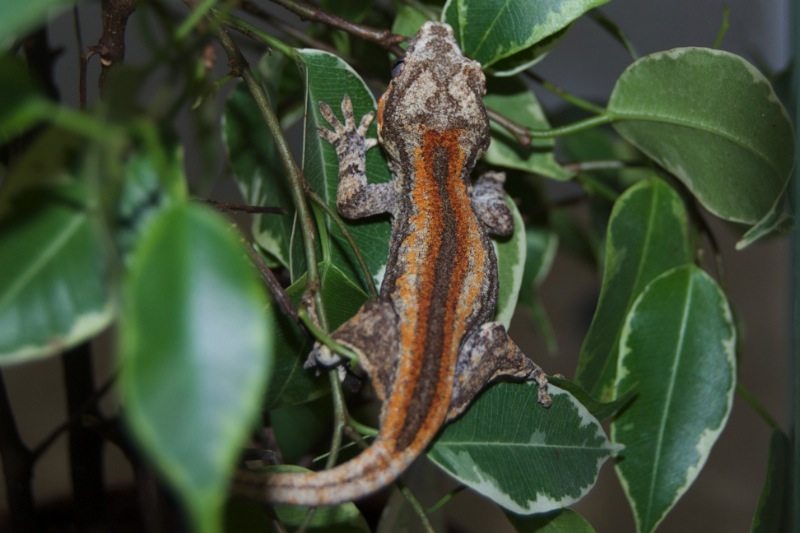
427,342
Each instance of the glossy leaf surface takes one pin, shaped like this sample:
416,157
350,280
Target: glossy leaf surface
195,345
713,120
328,79
677,350
647,235
525,457
54,287
490,30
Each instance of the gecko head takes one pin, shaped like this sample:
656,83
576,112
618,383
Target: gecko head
434,88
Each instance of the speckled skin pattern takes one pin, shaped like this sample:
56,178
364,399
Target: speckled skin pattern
428,343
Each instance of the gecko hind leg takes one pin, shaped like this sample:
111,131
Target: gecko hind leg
372,334
487,355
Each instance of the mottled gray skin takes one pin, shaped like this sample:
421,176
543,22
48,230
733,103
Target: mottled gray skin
427,342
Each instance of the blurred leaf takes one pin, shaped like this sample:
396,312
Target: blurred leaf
18,18
352,10
22,105
409,20
520,455
773,514
195,344
712,120
560,521
328,79
153,181
513,99
490,30
647,235
677,349
54,291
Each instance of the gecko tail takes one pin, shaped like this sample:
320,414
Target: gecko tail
370,471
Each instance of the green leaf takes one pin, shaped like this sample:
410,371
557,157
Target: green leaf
773,513
352,10
560,521
22,105
195,345
290,383
541,245
54,290
510,267
529,57
409,20
712,120
512,98
779,219
257,167
153,181
17,18
490,30
600,410
520,455
328,79
678,350
647,235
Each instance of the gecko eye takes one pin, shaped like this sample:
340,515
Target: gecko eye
397,67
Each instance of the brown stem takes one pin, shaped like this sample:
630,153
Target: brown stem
384,38
111,45
274,286
242,208
83,60
518,131
18,462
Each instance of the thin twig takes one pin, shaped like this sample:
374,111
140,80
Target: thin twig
384,38
565,95
244,208
274,286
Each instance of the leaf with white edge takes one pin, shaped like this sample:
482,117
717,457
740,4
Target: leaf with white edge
600,410
510,267
560,521
773,513
54,290
490,30
512,98
647,235
291,383
328,79
678,350
779,219
713,120
520,455
195,345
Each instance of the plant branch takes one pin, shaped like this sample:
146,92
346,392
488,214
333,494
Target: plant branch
111,45
273,285
384,38
243,208
565,95
18,463
85,445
